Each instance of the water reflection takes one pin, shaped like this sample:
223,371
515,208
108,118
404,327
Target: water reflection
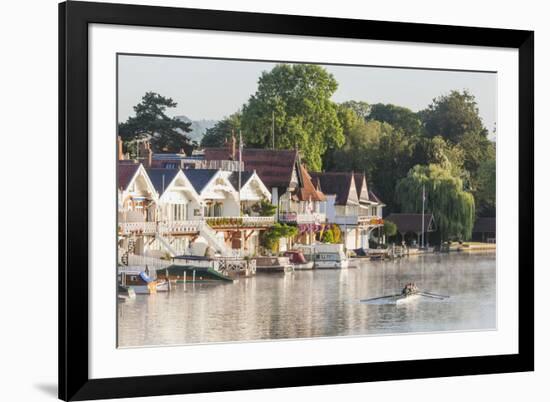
318,303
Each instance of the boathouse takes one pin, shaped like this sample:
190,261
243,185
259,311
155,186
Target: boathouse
412,223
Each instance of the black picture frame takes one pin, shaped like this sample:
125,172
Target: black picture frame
74,18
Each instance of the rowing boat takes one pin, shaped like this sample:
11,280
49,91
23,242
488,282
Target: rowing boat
407,298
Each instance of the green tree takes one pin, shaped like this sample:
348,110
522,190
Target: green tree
222,131
166,134
267,208
390,228
452,207
399,117
270,238
485,190
452,116
328,236
295,100
360,108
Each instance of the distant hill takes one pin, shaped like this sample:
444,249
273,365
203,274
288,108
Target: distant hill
198,127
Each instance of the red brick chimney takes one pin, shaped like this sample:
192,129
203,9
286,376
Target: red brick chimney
120,151
233,146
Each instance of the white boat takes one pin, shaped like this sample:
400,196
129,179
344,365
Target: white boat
325,255
273,265
407,298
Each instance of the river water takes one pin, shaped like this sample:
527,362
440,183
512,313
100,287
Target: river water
318,303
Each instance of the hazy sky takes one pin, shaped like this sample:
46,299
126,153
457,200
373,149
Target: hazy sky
212,89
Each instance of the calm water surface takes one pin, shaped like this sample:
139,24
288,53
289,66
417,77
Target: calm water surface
318,303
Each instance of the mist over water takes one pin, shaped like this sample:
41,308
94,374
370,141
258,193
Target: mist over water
318,303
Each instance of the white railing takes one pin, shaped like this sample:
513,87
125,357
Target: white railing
371,220
127,228
314,217
258,220
183,227
179,227
238,221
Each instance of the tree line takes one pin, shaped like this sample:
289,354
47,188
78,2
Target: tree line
443,149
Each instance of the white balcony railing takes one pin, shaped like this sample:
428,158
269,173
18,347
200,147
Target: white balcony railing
240,221
314,217
183,227
371,220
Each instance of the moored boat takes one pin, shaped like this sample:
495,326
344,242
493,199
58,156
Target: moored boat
298,260
138,281
326,255
125,293
191,273
273,265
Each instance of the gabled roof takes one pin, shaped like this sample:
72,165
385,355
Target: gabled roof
161,178
485,225
412,222
374,198
274,166
308,192
234,178
340,184
125,174
199,178
361,186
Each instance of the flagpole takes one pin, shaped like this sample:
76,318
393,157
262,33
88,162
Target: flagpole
423,200
240,164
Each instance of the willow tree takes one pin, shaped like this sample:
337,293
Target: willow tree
453,208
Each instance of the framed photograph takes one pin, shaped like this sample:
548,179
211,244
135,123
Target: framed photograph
258,201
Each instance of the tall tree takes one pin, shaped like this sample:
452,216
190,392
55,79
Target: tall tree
165,133
485,189
294,101
360,108
453,207
452,116
222,131
399,117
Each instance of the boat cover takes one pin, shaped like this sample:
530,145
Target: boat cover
145,277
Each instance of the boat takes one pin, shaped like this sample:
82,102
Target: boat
325,255
409,293
125,293
298,260
273,265
190,273
139,281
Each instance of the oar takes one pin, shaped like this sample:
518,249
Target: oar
435,294
378,298
428,295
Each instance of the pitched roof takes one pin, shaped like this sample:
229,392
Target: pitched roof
361,178
373,197
308,192
161,178
337,183
125,173
199,178
274,166
412,222
234,178
485,225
